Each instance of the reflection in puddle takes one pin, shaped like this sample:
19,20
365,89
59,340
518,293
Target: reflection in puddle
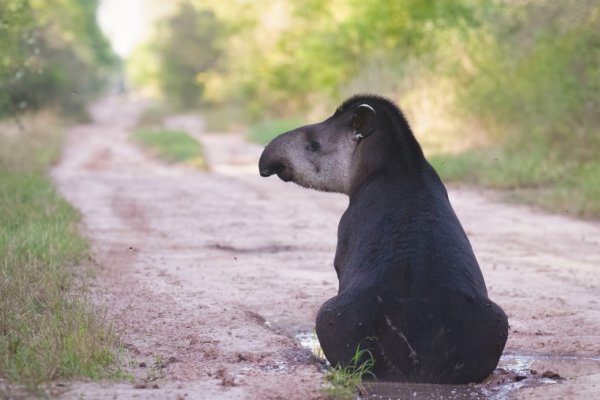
514,371
309,341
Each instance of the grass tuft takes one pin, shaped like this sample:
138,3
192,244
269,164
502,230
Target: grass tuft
346,381
48,330
172,146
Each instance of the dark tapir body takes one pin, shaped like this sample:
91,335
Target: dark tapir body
410,288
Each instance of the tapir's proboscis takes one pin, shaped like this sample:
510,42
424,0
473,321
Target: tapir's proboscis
410,289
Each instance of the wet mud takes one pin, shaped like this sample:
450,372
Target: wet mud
514,372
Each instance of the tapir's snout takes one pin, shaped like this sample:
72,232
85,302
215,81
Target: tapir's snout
267,165
266,172
271,170
264,164
272,160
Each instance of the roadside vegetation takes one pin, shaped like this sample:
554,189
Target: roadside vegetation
559,185
172,146
48,329
53,60
501,94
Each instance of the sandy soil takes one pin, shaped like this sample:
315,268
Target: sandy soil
209,276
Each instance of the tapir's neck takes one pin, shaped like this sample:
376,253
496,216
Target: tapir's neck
385,182
386,154
388,168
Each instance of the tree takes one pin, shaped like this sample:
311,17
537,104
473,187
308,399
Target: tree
53,54
184,45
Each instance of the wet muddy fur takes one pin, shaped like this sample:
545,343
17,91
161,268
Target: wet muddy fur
410,288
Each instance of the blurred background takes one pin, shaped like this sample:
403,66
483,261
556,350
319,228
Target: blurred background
501,93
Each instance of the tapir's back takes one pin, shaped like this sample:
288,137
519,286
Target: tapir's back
408,236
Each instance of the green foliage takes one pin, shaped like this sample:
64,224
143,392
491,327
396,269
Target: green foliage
533,86
172,146
286,57
264,131
53,54
347,381
47,329
540,82
520,79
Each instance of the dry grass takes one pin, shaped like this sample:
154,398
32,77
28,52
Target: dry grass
48,329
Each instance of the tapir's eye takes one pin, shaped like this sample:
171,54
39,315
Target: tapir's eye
313,146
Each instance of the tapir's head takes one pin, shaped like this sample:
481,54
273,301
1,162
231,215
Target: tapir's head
320,156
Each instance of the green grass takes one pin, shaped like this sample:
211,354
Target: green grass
48,329
346,381
533,176
172,146
266,130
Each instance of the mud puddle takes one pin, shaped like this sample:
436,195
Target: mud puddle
309,341
514,371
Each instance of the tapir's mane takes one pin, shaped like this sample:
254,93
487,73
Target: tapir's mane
388,104
401,126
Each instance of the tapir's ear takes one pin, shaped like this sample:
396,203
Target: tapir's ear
363,122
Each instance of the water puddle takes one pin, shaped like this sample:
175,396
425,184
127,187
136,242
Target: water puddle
308,340
514,371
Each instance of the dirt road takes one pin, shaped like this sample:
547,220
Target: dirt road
210,276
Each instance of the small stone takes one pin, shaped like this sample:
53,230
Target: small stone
226,378
551,375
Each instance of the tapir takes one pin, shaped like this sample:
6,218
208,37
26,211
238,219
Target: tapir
411,292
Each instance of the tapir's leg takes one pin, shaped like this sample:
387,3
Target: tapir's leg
385,328
345,323
485,328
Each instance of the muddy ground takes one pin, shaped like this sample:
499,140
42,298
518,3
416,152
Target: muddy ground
210,276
